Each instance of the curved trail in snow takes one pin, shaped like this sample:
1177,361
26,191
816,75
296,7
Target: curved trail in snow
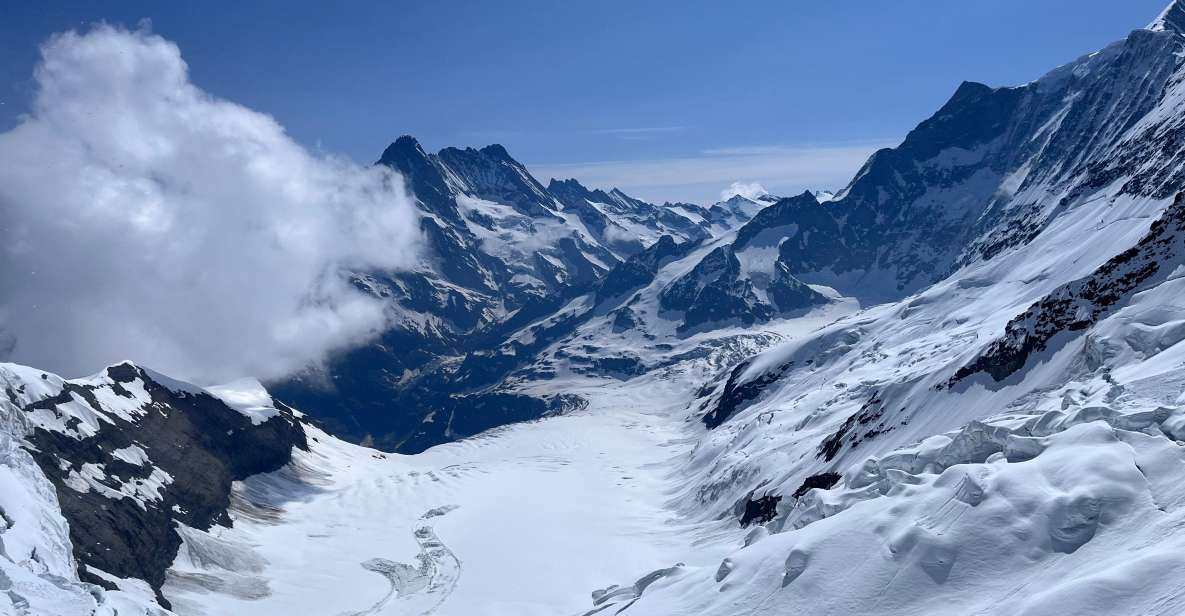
417,590
592,485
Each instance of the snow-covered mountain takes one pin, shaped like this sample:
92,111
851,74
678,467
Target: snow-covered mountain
955,386
502,251
106,473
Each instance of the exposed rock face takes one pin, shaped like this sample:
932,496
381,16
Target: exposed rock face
714,291
789,293
717,291
988,171
738,393
639,270
1080,304
492,175
503,252
627,224
760,510
1172,19
132,453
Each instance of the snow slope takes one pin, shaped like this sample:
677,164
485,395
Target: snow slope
1005,433
528,518
523,520
37,568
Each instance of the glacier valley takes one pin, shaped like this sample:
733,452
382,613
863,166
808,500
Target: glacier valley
955,386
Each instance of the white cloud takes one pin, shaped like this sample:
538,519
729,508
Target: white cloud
143,218
783,169
749,191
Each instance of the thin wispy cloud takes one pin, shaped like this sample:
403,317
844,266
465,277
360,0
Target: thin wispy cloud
635,133
640,133
793,148
780,169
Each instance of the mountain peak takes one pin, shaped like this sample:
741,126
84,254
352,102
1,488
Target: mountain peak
568,184
406,140
969,90
404,148
1172,19
496,150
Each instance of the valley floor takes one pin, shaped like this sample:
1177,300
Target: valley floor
524,520
529,519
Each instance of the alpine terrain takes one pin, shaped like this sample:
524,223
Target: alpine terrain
955,386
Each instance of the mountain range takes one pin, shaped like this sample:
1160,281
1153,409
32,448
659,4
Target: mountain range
953,386
503,252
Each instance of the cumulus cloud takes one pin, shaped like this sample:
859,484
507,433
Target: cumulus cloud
142,218
751,191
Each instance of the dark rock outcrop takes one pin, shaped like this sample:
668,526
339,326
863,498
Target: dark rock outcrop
1077,305
639,270
716,291
132,454
760,510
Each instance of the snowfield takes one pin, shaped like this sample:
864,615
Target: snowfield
525,520
1002,432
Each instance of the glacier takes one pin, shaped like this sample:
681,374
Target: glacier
953,387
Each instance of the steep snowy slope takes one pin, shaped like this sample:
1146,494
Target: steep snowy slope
37,566
130,454
1100,246
955,388
987,172
1006,440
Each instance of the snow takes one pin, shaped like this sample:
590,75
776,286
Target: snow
94,477
524,520
1054,491
1172,19
132,454
77,416
28,384
1076,529
37,569
248,397
1026,498
532,517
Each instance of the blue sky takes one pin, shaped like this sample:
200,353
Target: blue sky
669,100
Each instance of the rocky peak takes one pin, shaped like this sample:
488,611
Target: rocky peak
572,193
784,212
571,185
404,148
491,174
424,178
128,448
1172,19
497,151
